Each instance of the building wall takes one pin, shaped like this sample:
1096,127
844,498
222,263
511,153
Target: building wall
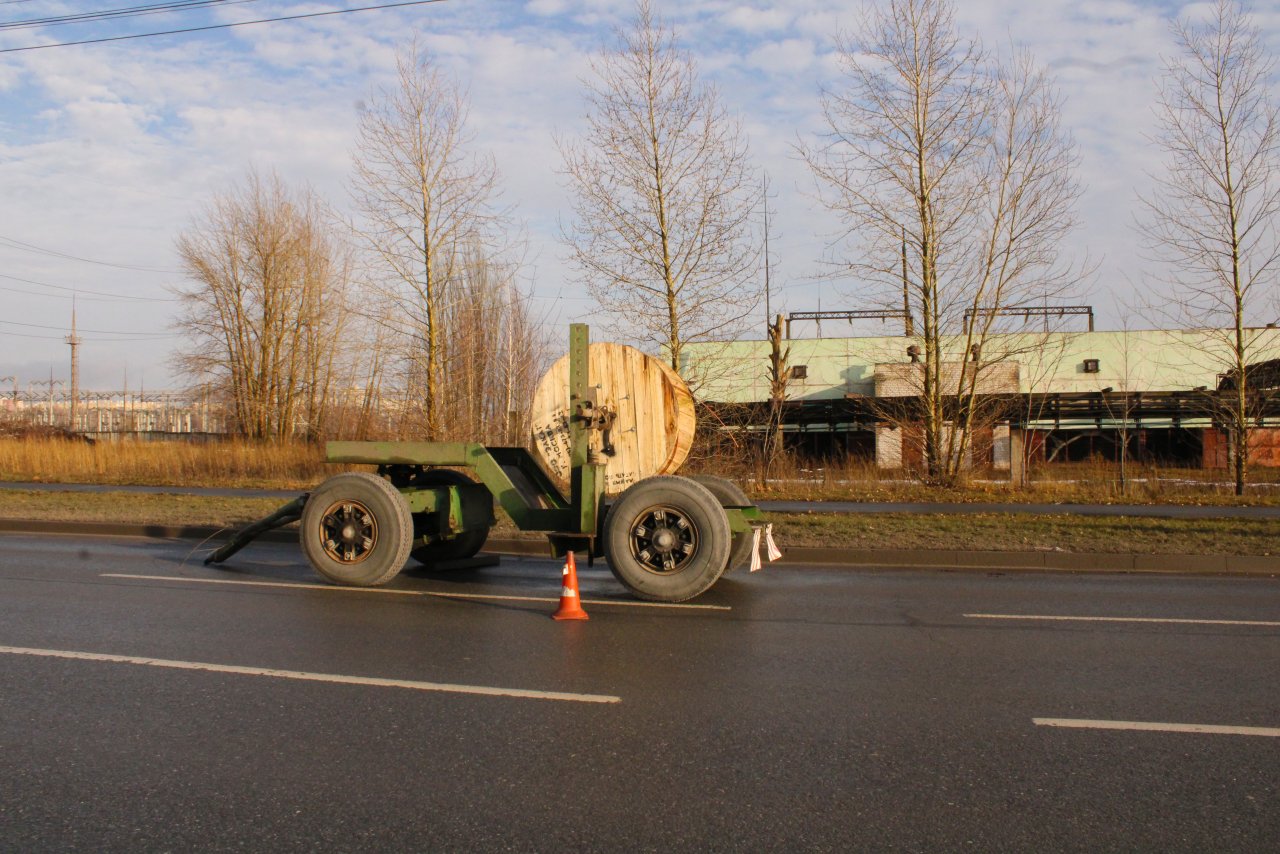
1040,363
907,380
1264,448
888,447
1137,360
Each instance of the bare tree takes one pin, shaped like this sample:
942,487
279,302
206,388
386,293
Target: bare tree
662,194
266,311
427,200
1213,214
779,373
495,352
779,356
954,181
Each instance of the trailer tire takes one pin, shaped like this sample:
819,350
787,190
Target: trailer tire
667,539
729,494
464,545
356,530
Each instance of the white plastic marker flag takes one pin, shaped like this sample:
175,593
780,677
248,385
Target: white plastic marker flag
755,550
770,546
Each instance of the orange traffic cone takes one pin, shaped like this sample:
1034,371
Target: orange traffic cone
570,601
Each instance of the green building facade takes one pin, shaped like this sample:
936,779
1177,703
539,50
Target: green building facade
1070,383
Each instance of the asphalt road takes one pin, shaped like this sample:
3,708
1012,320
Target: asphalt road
1164,511
250,708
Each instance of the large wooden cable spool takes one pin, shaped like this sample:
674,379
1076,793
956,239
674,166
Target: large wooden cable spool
654,424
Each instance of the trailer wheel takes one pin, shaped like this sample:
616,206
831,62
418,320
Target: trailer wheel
464,545
667,539
356,530
729,494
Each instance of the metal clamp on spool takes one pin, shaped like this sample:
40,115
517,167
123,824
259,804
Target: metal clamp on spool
597,419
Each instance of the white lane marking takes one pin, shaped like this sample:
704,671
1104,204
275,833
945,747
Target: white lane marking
1177,620
1147,726
435,593
304,676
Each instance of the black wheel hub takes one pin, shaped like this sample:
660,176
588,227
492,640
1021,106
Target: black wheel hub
663,540
348,531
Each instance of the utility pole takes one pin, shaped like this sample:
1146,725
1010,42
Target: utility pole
74,341
768,307
908,326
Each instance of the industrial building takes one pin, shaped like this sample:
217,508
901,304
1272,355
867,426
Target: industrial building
1066,395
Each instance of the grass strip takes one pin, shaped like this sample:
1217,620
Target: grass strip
1024,532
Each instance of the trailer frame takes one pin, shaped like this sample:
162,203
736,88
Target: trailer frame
449,511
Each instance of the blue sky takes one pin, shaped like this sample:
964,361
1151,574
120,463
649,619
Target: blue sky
108,151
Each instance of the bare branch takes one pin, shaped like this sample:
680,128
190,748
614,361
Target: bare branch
663,195
265,312
427,201
1211,221
954,182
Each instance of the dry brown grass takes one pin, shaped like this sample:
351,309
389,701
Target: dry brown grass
299,466
231,463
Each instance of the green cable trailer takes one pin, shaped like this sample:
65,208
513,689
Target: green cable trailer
666,538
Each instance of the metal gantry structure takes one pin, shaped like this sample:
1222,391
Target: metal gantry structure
850,316
1033,311
1028,312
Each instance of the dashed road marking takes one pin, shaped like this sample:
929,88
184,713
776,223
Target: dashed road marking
304,676
1173,620
1148,726
434,593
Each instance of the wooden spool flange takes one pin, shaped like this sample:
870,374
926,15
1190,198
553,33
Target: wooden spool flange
653,429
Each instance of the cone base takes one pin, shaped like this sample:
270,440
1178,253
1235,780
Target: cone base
571,615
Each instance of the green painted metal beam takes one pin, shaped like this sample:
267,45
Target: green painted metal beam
400,453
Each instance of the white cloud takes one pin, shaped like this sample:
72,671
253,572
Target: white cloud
547,7
107,152
10,74
825,23
787,57
756,20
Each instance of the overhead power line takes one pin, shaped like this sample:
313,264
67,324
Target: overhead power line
224,26
13,243
63,338
94,331
116,14
84,291
70,296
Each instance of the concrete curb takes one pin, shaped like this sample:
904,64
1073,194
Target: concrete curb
972,561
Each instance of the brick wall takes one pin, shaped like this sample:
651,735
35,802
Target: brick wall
1264,448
